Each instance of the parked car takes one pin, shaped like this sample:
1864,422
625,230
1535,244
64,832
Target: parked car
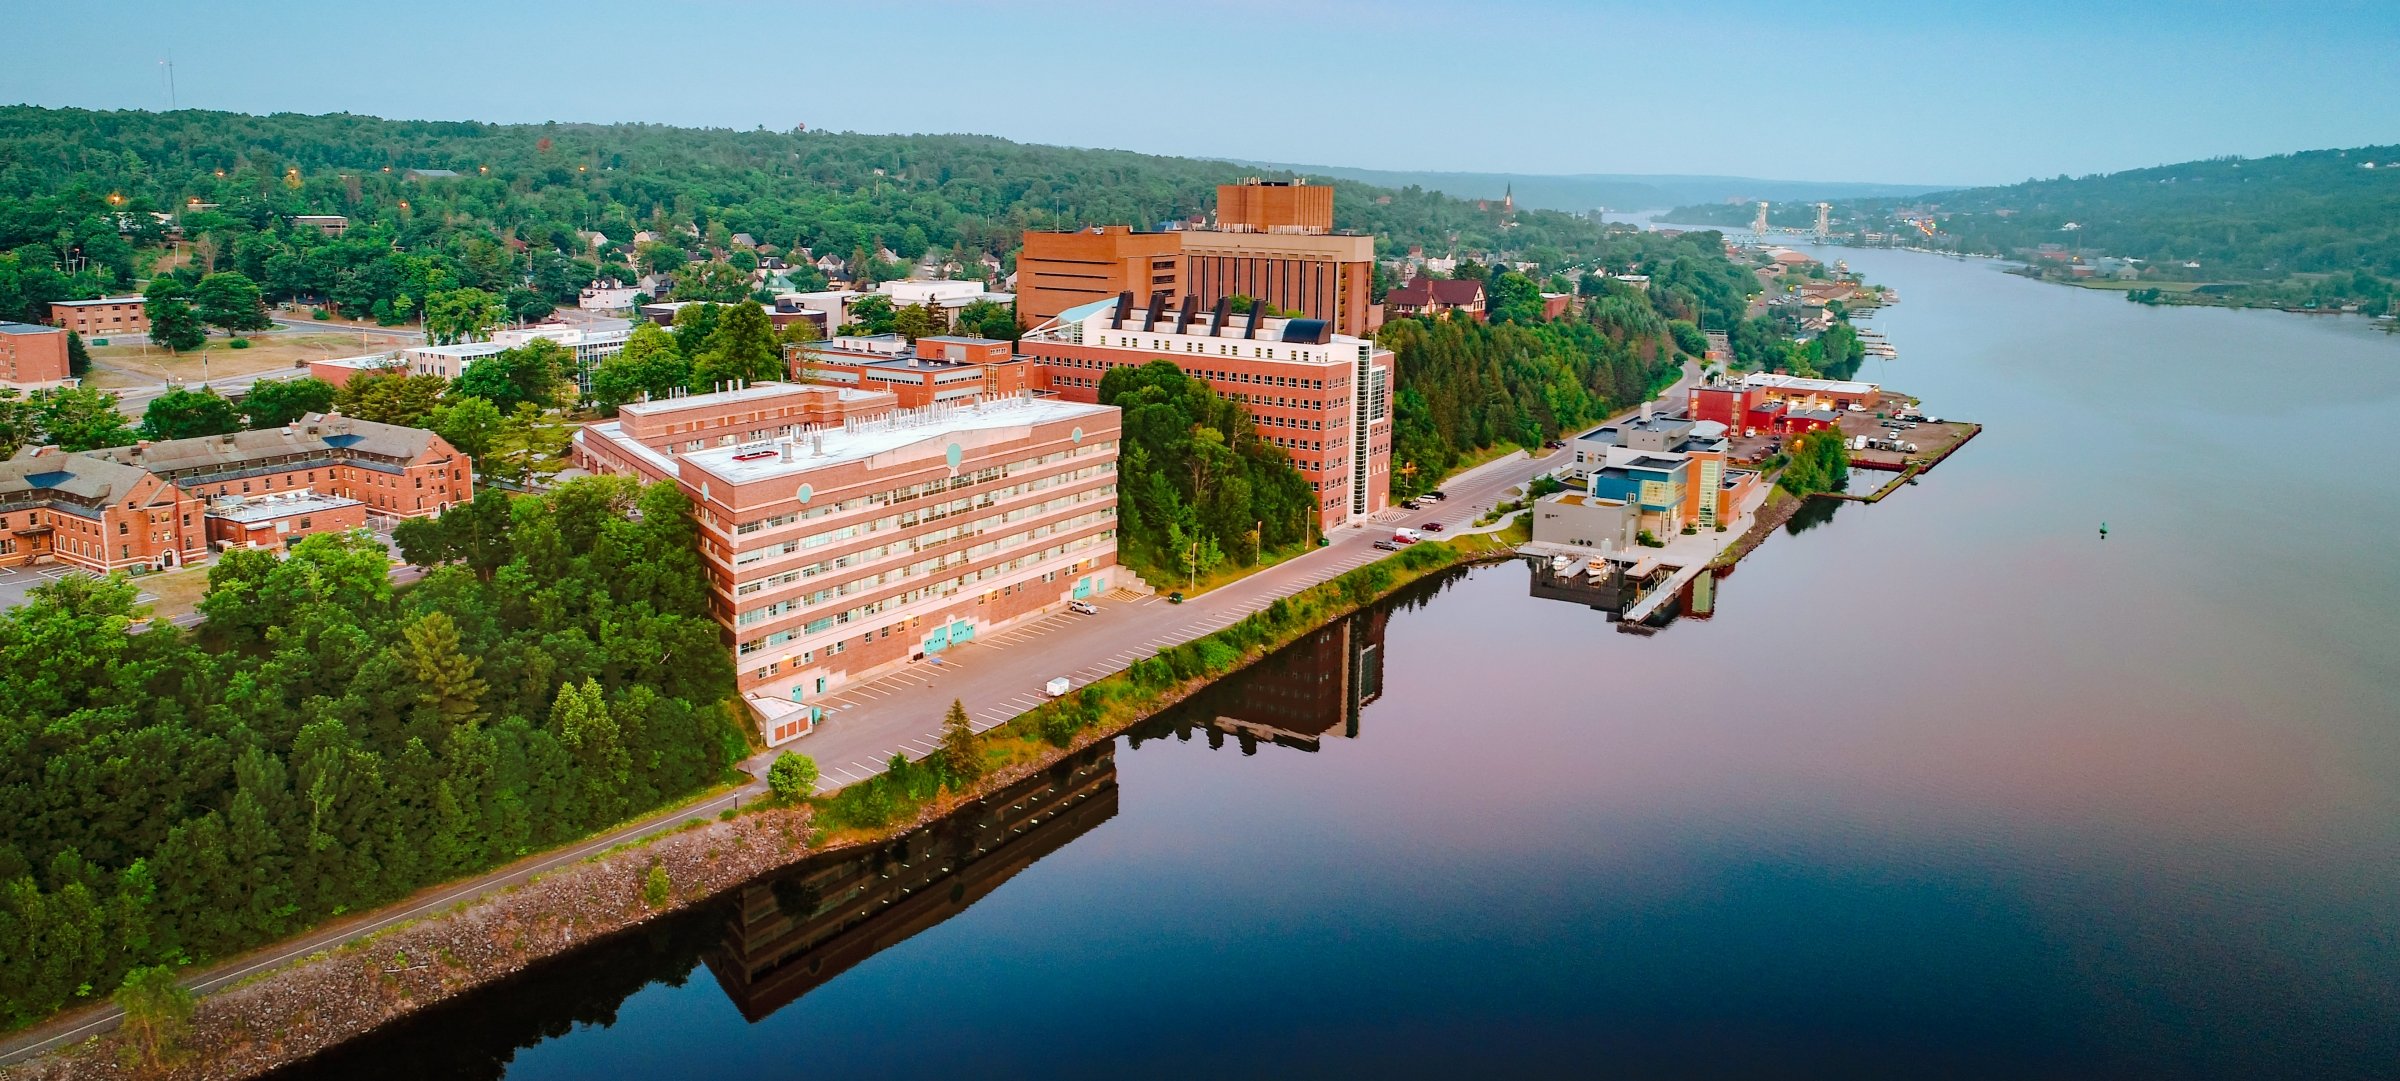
1406,536
1553,444
1175,598
1436,495
1085,608
1411,504
1433,527
1386,546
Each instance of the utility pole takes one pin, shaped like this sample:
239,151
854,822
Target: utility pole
169,65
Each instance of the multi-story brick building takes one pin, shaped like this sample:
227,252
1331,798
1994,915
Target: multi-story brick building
94,514
1273,241
844,537
103,318
273,521
934,369
397,472
1058,271
1323,397
33,357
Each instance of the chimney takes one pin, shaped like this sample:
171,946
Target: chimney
1645,412
816,446
786,447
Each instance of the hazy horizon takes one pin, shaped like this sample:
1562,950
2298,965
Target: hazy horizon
1941,95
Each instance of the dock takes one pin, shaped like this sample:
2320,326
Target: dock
1660,594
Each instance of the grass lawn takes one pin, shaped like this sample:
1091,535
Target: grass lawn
178,592
120,366
1174,580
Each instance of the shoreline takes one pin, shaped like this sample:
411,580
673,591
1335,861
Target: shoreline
288,1015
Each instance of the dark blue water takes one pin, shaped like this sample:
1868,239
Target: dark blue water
1943,787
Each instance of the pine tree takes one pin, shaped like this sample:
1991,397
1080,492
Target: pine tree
445,674
962,751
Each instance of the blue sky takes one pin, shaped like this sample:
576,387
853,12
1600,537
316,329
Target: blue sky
1931,92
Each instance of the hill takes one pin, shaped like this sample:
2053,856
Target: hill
2319,226
1582,192
79,188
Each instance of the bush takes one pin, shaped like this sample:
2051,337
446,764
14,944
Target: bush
656,890
319,313
793,777
238,343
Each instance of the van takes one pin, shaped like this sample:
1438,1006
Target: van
1057,688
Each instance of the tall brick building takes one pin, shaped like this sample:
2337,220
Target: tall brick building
843,536
33,357
1325,398
1273,240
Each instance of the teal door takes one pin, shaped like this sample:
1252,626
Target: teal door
1083,587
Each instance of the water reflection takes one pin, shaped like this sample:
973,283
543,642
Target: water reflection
1813,513
767,944
1304,694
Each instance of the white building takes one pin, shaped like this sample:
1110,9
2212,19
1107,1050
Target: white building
590,346
606,296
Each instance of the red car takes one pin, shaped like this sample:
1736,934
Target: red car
1433,527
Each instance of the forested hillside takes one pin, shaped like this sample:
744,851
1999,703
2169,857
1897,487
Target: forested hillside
78,190
2319,225
323,744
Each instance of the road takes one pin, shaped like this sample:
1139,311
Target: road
996,677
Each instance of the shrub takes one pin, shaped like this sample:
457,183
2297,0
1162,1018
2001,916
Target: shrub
238,343
319,313
1217,657
158,1011
793,777
656,890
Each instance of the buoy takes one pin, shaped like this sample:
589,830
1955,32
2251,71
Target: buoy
2104,531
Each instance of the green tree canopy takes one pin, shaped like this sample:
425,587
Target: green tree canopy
181,413
273,402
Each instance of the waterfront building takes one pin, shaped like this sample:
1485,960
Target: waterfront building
103,318
1708,493
1324,397
33,357
932,370
1583,520
1654,483
1802,393
844,537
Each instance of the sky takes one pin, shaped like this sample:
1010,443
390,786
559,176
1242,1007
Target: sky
1934,92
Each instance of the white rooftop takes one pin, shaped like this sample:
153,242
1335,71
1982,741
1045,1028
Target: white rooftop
859,440
269,508
1780,381
369,361
751,393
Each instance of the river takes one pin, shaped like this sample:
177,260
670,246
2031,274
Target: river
1945,786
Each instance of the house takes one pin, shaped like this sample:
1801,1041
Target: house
328,224
606,295
1436,296
744,240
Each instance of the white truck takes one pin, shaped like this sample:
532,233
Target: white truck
1057,688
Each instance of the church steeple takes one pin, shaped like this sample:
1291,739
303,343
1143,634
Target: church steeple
1508,199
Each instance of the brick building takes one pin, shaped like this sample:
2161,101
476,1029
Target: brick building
103,318
1323,397
1058,271
1274,241
274,521
398,472
94,514
843,537
937,368
33,357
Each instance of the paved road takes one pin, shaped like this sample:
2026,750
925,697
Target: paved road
997,677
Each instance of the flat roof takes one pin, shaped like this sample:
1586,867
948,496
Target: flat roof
280,506
858,440
135,299
27,328
751,393
1794,382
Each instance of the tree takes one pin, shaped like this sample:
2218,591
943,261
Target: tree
649,364
694,323
741,348
467,423
871,314
447,683
536,372
794,338
459,315
274,402
79,418
229,299
158,1012
79,358
718,282
393,397
173,323
961,752
528,448
989,319
793,777
181,414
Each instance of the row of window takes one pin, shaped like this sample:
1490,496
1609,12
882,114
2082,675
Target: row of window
946,588
873,582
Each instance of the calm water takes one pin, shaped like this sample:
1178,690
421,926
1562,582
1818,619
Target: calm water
1946,786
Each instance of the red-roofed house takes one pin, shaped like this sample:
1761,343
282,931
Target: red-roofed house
1433,296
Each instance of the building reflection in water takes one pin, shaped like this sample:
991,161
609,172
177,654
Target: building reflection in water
1604,586
1306,693
811,922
